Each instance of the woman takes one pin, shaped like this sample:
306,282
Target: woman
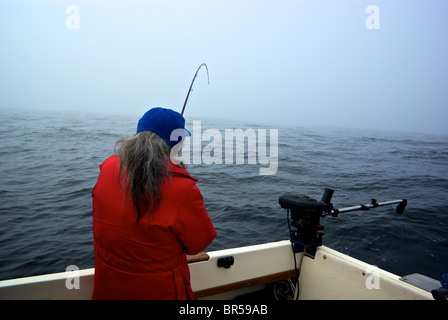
147,215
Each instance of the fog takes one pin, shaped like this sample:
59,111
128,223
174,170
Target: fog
357,64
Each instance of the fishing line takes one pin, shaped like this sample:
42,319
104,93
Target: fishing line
210,102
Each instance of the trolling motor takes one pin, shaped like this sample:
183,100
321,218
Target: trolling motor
305,228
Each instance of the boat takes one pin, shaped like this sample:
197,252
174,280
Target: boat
299,268
237,272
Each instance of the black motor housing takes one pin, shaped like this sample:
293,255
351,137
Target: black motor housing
305,215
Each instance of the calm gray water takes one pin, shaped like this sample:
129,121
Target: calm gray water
49,164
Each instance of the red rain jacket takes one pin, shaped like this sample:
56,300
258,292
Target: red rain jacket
147,259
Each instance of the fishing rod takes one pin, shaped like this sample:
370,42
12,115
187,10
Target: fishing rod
191,85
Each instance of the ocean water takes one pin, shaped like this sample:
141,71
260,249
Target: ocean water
49,165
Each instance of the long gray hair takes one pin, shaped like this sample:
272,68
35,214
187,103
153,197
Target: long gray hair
144,166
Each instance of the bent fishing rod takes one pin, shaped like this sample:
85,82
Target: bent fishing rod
191,85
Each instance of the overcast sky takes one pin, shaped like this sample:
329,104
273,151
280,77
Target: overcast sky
334,62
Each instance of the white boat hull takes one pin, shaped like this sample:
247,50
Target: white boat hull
331,275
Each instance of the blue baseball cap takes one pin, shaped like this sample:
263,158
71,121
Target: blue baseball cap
167,123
